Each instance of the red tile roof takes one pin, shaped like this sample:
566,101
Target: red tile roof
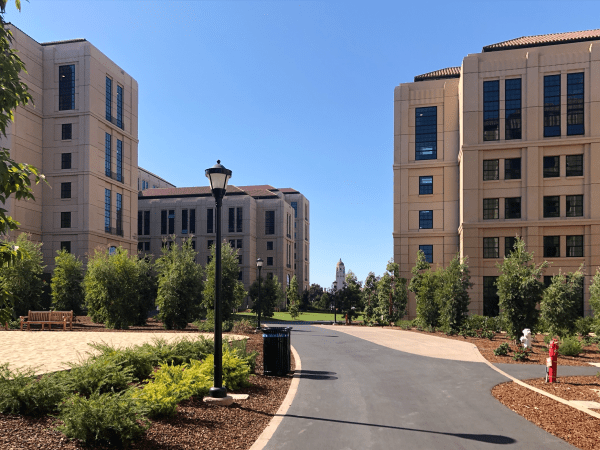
448,72
544,39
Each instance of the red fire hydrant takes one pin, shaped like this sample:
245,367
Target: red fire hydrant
551,362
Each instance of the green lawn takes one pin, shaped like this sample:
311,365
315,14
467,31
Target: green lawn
306,316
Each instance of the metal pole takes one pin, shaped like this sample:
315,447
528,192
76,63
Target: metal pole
259,305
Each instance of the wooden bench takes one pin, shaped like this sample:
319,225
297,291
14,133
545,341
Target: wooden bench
49,318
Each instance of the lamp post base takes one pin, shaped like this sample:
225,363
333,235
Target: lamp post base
217,392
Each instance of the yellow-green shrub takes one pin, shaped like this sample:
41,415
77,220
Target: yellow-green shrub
236,370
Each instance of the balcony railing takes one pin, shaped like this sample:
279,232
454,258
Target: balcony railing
115,231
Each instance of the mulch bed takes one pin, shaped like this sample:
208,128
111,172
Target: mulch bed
196,425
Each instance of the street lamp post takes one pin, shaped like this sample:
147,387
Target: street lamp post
218,176
259,264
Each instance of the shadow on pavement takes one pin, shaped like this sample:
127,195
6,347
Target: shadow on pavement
316,375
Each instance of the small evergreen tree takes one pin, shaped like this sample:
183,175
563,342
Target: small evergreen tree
452,294
271,294
350,296
560,303
179,296
147,291
293,298
324,301
67,283
392,294
424,285
519,289
370,298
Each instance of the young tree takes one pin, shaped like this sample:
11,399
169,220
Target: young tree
560,303
392,294
147,291
424,284
232,290
67,283
271,294
179,296
314,293
324,301
22,279
520,289
293,298
370,297
350,296
595,297
453,295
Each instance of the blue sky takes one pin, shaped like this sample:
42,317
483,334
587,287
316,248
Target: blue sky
290,93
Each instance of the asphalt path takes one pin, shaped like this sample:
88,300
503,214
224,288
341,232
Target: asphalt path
358,395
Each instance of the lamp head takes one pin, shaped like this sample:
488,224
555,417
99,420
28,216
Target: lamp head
218,176
259,263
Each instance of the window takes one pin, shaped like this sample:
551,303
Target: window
490,170
119,214
107,154
551,166
295,206
425,185
108,99
491,110
66,246
107,210
192,221
171,221
490,208
552,206
232,243
269,222
574,165
67,131
240,259
512,169
426,219
119,160
428,251
209,243
231,220
66,88
194,246
491,247
512,109
210,220
574,246
551,246
146,223
184,221
240,275
65,220
238,222
269,260
574,104
239,243
509,245
574,205
140,223
512,208
163,221
547,280
65,190
491,300
426,133
551,105
270,276
269,245
65,161
120,107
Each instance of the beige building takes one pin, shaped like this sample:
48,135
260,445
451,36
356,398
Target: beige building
148,180
259,221
81,130
504,145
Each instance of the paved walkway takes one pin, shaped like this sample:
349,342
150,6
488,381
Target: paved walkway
363,388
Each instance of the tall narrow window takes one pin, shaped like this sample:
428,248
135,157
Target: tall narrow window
491,170
107,154
108,99
512,109
65,220
67,131
551,105
428,251
425,185
171,221
65,161
295,206
269,222
120,107
66,246
426,219
146,223
491,110
140,224
107,210
231,220
119,160
512,169
551,166
184,221
66,87
491,300
210,220
551,246
575,104
163,221
192,221
574,165
512,208
490,247
65,190
426,133
119,214
239,220
509,245
490,208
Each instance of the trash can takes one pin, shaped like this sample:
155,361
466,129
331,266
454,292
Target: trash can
276,350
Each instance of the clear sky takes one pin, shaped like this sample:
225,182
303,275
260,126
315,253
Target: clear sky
291,93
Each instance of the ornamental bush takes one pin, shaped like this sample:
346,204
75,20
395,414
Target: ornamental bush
561,302
67,283
99,375
569,346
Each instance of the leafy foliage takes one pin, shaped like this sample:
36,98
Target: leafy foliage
569,346
502,349
595,297
98,375
271,295
392,294
350,296
424,283
293,298
179,285
452,293
67,283
521,354
560,308
370,297
147,291
236,371
520,289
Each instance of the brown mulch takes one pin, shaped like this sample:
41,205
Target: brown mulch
196,425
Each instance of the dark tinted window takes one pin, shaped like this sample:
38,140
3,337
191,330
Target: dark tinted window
171,221
574,205
574,165
65,245
192,221
108,114
269,222
491,110
107,210
425,185
551,246
426,133
65,161
491,247
426,219
574,246
65,220
490,170
65,190
512,208
512,112
66,87
67,131
551,166
512,169
552,206
163,221
575,104
231,227
490,297
210,220
509,245
269,245
551,105
490,208
428,251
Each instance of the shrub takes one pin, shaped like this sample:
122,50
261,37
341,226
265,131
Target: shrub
561,301
208,325
590,340
424,284
67,283
569,346
404,324
112,419
100,375
521,354
236,370
502,349
243,326
584,325
139,359
22,393
239,348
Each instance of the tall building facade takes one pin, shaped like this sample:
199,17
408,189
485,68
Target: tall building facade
505,145
259,221
81,131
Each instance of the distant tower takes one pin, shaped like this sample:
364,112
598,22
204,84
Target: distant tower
340,275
